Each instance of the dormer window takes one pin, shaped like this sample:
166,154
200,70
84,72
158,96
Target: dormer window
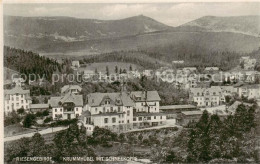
107,102
92,100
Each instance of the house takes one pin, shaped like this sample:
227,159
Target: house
68,106
146,101
173,110
177,61
34,108
144,119
76,89
85,120
188,116
16,98
189,70
123,111
111,110
247,63
18,81
232,108
75,64
249,91
133,74
148,72
211,69
212,96
228,90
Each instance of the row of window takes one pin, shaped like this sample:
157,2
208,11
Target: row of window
26,101
56,110
8,108
148,118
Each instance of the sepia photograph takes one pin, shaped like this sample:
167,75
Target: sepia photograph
131,82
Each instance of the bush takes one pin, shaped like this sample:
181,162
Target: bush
47,120
45,113
64,122
29,120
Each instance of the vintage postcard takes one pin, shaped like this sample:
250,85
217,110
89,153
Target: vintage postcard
131,82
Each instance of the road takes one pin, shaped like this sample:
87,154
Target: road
45,131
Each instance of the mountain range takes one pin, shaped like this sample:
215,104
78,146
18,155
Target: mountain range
88,36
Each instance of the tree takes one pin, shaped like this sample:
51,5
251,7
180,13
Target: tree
21,111
107,71
130,68
116,69
36,145
29,120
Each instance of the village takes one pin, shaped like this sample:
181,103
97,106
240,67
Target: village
123,111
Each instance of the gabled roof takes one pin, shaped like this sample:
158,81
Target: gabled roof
70,97
67,87
151,95
39,106
95,99
16,89
187,113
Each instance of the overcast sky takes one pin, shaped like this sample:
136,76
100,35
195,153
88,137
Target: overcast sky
172,14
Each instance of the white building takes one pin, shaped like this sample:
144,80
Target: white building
75,64
249,91
247,63
68,106
16,98
212,96
111,110
76,89
124,111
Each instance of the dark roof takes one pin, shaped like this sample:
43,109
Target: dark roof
151,95
148,114
95,99
69,97
177,107
192,113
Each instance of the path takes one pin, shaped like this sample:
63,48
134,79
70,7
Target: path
45,131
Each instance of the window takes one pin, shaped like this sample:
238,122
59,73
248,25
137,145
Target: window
55,110
113,120
17,104
128,113
148,118
111,109
154,117
17,98
77,115
134,119
127,121
118,109
60,109
104,109
22,101
140,118
161,117
96,110
76,109
106,120
8,108
56,115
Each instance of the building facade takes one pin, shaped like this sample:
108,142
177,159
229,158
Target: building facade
202,97
69,106
16,98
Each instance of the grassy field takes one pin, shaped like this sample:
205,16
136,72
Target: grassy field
16,129
101,67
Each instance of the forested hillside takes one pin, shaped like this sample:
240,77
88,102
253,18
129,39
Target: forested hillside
27,62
